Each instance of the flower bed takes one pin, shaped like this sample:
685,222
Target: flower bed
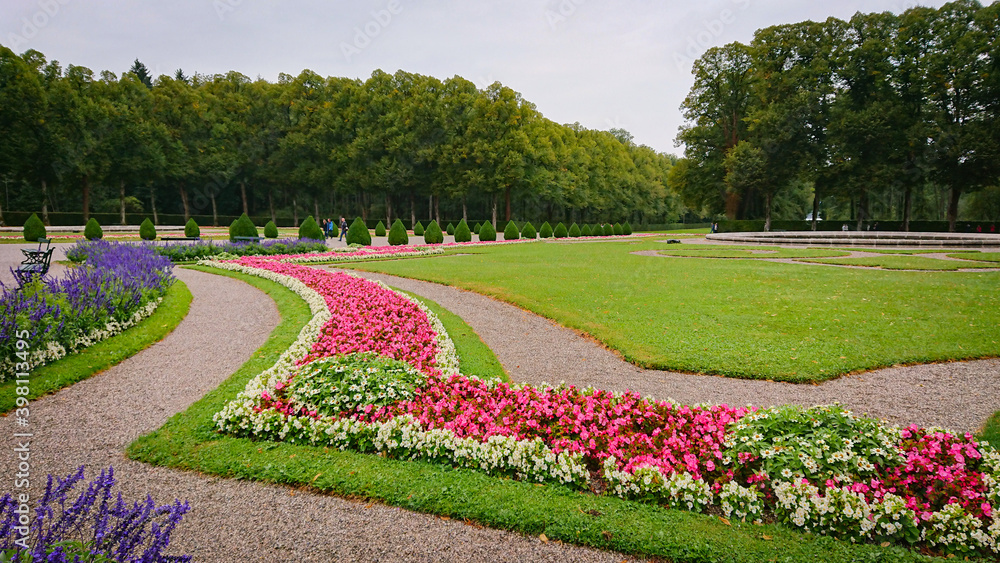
118,286
819,469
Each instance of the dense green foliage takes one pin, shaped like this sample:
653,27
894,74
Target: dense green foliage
33,229
433,234
146,230
358,233
627,228
574,231
528,231
244,227
487,232
476,229
793,322
510,232
450,229
380,229
418,229
462,232
617,229
270,230
93,230
309,229
875,117
397,234
585,231
192,230
560,231
207,249
545,231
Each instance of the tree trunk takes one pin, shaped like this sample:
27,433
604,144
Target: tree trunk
243,194
768,198
506,196
152,204
270,205
862,209
413,213
388,210
430,207
907,207
45,203
465,213
815,208
184,202
295,211
437,209
215,209
121,199
953,196
493,204
85,192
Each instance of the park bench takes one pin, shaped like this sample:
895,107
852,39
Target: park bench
180,238
246,239
36,262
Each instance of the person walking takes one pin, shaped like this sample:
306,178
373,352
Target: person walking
343,228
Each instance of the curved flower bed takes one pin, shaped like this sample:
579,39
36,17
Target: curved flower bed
821,469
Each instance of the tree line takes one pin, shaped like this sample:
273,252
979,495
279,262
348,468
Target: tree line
395,146
880,117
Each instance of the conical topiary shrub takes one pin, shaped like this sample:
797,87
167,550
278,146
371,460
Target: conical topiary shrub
476,230
510,232
358,233
617,229
146,230
627,228
609,229
462,232
487,232
34,229
597,230
545,231
528,231
585,231
309,229
418,230
244,227
93,230
191,229
380,229
450,229
271,230
433,234
397,234
574,231
560,231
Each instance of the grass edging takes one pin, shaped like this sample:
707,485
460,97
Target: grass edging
188,441
107,353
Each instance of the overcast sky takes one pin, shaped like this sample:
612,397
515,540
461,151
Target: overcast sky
604,64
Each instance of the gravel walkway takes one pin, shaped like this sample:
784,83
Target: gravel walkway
93,421
957,395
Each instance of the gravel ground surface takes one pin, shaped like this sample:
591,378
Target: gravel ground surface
93,421
957,395
11,257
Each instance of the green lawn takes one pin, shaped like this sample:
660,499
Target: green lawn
904,263
745,318
984,256
720,251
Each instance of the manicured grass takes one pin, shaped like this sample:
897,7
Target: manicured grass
475,357
720,251
892,250
983,256
107,353
744,318
904,263
188,441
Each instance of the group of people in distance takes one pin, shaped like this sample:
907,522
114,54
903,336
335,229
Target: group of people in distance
330,227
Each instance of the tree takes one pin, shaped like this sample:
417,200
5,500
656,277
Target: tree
141,73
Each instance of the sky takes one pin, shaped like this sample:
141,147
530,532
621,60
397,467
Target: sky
623,64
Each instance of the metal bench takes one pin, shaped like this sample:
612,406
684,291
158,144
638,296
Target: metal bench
246,239
180,238
36,262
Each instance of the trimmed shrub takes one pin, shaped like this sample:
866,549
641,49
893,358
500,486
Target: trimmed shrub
617,229
146,230
545,231
476,230
450,229
397,234
585,231
192,230
93,230
418,230
609,229
510,232
596,231
358,233
574,231
380,229
433,234
309,229
487,232
244,227
462,232
627,228
33,229
560,231
270,230
528,231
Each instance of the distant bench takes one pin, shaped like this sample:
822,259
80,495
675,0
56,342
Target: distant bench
180,238
246,239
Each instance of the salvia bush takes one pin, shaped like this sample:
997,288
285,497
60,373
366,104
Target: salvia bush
270,230
510,232
433,234
462,232
309,229
358,233
244,227
617,229
487,232
418,230
94,527
93,230
450,229
146,230
545,231
574,230
191,229
33,229
560,231
528,231
585,231
397,234
627,228
380,229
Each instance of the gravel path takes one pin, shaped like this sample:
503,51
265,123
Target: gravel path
93,421
957,395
